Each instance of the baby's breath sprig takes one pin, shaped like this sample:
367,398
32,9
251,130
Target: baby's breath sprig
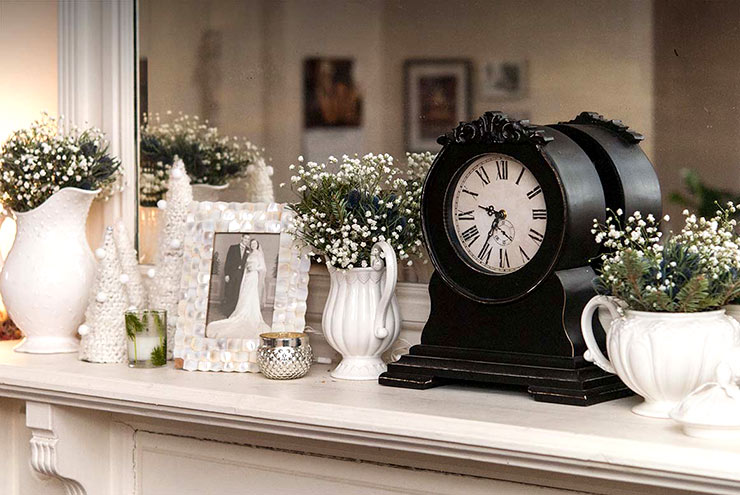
697,269
40,160
348,205
210,158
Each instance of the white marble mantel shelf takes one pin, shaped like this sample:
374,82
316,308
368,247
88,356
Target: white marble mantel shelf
602,442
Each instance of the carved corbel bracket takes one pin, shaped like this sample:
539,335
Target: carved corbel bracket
67,446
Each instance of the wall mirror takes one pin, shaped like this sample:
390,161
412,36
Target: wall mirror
321,77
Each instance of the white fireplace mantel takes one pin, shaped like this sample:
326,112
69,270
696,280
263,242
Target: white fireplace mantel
480,433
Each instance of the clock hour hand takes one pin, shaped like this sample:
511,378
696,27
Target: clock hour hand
489,209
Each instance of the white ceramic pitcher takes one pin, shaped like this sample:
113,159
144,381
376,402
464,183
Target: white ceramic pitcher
361,319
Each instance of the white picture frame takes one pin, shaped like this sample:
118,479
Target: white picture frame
193,350
503,79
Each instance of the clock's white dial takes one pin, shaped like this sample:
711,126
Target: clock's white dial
498,213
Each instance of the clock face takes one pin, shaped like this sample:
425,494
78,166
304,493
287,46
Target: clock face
498,214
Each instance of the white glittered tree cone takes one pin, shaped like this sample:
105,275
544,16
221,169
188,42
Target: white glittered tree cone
258,183
103,335
165,287
129,266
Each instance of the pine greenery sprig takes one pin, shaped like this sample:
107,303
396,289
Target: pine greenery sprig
697,269
40,160
347,206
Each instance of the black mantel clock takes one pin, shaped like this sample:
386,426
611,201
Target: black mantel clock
507,212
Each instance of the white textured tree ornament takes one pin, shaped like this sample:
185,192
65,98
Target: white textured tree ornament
129,266
258,182
165,288
103,336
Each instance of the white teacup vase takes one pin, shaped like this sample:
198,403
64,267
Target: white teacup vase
662,357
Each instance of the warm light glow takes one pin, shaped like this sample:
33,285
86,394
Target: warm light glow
28,80
7,236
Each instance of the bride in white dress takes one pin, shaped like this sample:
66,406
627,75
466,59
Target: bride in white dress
246,321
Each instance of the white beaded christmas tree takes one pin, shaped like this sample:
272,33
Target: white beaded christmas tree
129,266
104,332
165,287
258,183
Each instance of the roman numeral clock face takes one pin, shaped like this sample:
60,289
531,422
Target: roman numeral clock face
498,214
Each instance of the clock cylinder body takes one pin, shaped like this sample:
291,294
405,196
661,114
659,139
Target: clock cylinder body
514,321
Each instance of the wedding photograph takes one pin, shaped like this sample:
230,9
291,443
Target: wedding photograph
242,289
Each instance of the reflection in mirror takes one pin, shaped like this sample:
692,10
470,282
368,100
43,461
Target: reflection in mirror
323,77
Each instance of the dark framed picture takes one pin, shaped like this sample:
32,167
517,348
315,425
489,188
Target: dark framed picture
331,96
241,296
438,97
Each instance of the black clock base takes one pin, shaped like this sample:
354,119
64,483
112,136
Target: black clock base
553,380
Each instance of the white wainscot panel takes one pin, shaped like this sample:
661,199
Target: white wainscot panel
171,464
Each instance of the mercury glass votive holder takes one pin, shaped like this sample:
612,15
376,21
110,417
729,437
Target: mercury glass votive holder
284,355
146,334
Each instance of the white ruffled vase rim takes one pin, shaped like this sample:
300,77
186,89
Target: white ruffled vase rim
666,314
86,192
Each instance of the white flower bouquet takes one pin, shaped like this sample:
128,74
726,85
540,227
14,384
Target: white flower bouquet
40,160
209,157
697,269
346,206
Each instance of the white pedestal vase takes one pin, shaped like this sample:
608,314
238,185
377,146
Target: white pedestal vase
661,356
49,271
361,319
207,192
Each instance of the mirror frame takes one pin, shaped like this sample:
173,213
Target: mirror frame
97,85
98,50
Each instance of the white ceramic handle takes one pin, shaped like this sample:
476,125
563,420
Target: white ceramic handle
594,354
391,275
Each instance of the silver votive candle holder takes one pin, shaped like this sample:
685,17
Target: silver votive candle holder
284,355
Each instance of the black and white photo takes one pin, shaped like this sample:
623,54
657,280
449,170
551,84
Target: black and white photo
242,288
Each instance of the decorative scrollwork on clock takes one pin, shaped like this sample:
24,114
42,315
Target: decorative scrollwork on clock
495,128
616,126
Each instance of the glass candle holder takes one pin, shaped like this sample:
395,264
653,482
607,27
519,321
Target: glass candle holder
146,332
284,355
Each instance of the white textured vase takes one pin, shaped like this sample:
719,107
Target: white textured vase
361,319
49,271
662,357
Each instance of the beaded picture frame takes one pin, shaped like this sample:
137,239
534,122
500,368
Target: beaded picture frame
193,350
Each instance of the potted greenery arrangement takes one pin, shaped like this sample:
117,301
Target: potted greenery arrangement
353,213
211,159
48,179
668,331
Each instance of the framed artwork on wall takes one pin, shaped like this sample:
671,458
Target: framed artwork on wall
504,79
331,95
437,98
243,275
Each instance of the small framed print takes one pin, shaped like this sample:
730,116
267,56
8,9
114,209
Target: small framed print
437,100
243,275
503,79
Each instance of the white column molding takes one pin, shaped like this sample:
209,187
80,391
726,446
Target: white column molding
97,84
61,440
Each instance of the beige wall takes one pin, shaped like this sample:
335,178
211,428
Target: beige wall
28,62
583,55
697,85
